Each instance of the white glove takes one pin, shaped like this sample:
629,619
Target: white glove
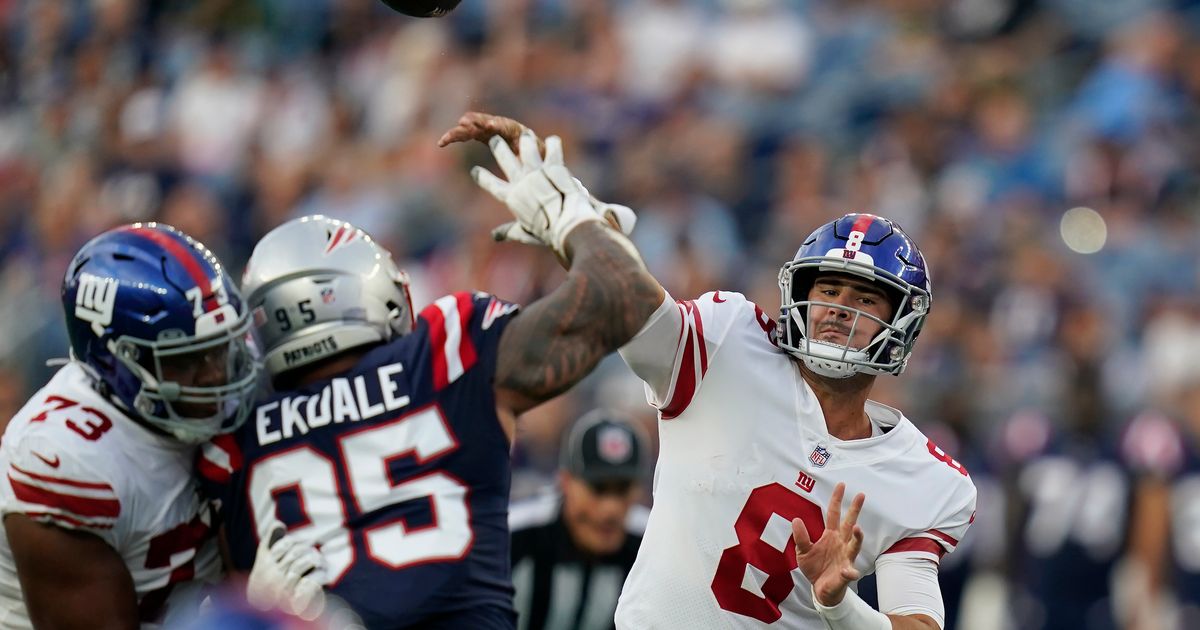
287,575
543,196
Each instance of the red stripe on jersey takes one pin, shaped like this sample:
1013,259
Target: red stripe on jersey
918,544
437,344
227,443
188,258
211,471
686,382
87,507
695,311
215,470
438,338
466,349
60,480
66,519
946,537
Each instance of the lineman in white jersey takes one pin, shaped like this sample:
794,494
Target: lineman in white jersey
103,525
763,427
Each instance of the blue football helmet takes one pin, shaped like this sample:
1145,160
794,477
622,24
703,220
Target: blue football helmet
157,322
872,248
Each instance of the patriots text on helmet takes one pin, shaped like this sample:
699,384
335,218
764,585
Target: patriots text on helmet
305,354
341,400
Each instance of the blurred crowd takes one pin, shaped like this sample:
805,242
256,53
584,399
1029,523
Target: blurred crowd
1043,153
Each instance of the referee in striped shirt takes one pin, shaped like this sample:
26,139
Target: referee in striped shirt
572,550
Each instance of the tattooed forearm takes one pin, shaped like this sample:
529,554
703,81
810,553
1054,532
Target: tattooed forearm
559,339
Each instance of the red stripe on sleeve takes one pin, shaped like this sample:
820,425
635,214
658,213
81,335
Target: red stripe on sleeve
695,312
918,544
944,536
63,518
227,443
687,381
90,485
437,344
466,348
211,471
213,468
86,507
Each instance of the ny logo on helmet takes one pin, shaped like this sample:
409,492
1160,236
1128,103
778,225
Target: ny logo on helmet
94,301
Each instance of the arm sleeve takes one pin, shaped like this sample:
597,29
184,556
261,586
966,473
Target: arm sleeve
651,352
908,585
50,484
674,349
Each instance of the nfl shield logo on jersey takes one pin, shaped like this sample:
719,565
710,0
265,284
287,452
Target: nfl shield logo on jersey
819,457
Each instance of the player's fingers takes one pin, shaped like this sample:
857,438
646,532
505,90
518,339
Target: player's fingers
506,128
275,531
855,543
800,535
554,151
306,562
509,163
495,186
531,159
855,508
291,557
833,515
308,600
621,217
850,574
512,231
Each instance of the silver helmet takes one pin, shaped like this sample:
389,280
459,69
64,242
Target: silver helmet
317,287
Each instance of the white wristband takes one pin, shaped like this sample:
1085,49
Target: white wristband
852,613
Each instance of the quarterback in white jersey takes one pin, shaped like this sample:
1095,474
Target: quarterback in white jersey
103,524
763,427
749,442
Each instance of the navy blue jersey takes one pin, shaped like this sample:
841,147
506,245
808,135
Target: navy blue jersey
1157,447
398,470
1074,494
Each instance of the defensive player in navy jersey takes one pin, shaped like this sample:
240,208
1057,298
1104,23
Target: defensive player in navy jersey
1164,452
1071,494
387,443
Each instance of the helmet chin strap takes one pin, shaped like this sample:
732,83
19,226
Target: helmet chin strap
829,360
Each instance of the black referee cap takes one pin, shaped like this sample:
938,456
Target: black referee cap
603,446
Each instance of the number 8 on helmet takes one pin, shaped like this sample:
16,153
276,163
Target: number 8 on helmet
872,248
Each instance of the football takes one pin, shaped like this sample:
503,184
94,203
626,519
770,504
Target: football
423,8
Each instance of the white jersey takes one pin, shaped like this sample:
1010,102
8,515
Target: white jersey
743,450
72,459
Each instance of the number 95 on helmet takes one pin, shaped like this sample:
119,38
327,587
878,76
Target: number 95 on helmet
157,322
318,287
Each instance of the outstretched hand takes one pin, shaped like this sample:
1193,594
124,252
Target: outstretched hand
482,126
829,562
